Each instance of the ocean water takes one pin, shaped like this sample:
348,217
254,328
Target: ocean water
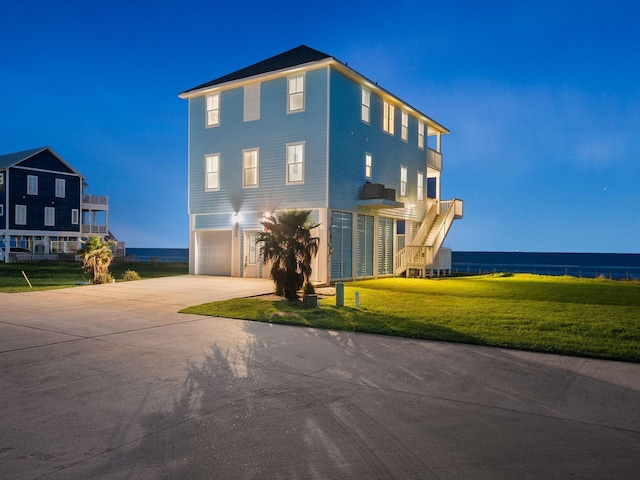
158,254
609,265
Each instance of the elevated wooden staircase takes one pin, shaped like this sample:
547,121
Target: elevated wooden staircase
422,252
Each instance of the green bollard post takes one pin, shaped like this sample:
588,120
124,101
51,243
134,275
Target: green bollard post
339,294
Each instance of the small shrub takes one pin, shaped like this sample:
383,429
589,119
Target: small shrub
103,278
130,275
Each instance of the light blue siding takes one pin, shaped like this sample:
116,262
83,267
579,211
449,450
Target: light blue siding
269,134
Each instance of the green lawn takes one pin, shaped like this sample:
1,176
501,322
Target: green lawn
51,275
584,317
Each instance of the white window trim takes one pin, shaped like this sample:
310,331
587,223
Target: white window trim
290,94
215,123
21,215
207,172
366,106
388,118
421,135
1,178
403,181
295,182
61,188
420,186
368,165
257,168
32,181
49,216
75,216
404,128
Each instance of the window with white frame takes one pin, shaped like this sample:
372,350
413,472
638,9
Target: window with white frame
212,171
295,163
366,105
403,181
213,110
32,185
75,216
296,93
1,209
388,121
420,182
1,178
60,187
252,102
368,159
49,216
404,130
21,215
421,135
250,167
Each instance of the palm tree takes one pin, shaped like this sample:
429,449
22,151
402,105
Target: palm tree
96,257
288,244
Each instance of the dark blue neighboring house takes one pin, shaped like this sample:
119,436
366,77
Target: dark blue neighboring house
44,211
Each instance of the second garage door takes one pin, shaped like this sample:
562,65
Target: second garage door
214,253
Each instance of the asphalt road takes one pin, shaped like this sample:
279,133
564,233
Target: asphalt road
109,381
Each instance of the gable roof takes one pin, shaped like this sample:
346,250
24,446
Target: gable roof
12,159
291,58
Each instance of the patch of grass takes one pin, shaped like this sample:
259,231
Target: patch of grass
52,275
566,315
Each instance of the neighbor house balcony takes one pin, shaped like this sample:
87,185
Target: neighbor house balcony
95,202
95,215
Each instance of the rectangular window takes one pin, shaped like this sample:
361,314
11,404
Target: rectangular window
49,216
421,135
1,178
32,185
296,93
366,105
250,168
388,123
21,214
75,216
404,131
367,165
295,163
252,102
1,209
60,187
213,110
420,182
403,181
212,172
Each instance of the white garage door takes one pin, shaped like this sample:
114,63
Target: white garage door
214,253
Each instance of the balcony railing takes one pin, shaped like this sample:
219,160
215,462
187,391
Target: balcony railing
103,229
434,159
101,200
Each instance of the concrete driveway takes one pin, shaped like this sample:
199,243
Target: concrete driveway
111,382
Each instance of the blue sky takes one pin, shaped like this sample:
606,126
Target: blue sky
542,100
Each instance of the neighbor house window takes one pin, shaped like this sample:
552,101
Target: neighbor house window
421,135
420,182
213,110
252,102
60,187
296,93
404,131
403,181
295,163
366,105
250,168
367,165
1,178
212,172
32,185
21,214
1,209
49,216
388,121
75,216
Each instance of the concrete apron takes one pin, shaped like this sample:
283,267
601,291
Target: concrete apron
110,382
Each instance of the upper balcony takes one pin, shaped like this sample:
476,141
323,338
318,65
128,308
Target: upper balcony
95,202
434,160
